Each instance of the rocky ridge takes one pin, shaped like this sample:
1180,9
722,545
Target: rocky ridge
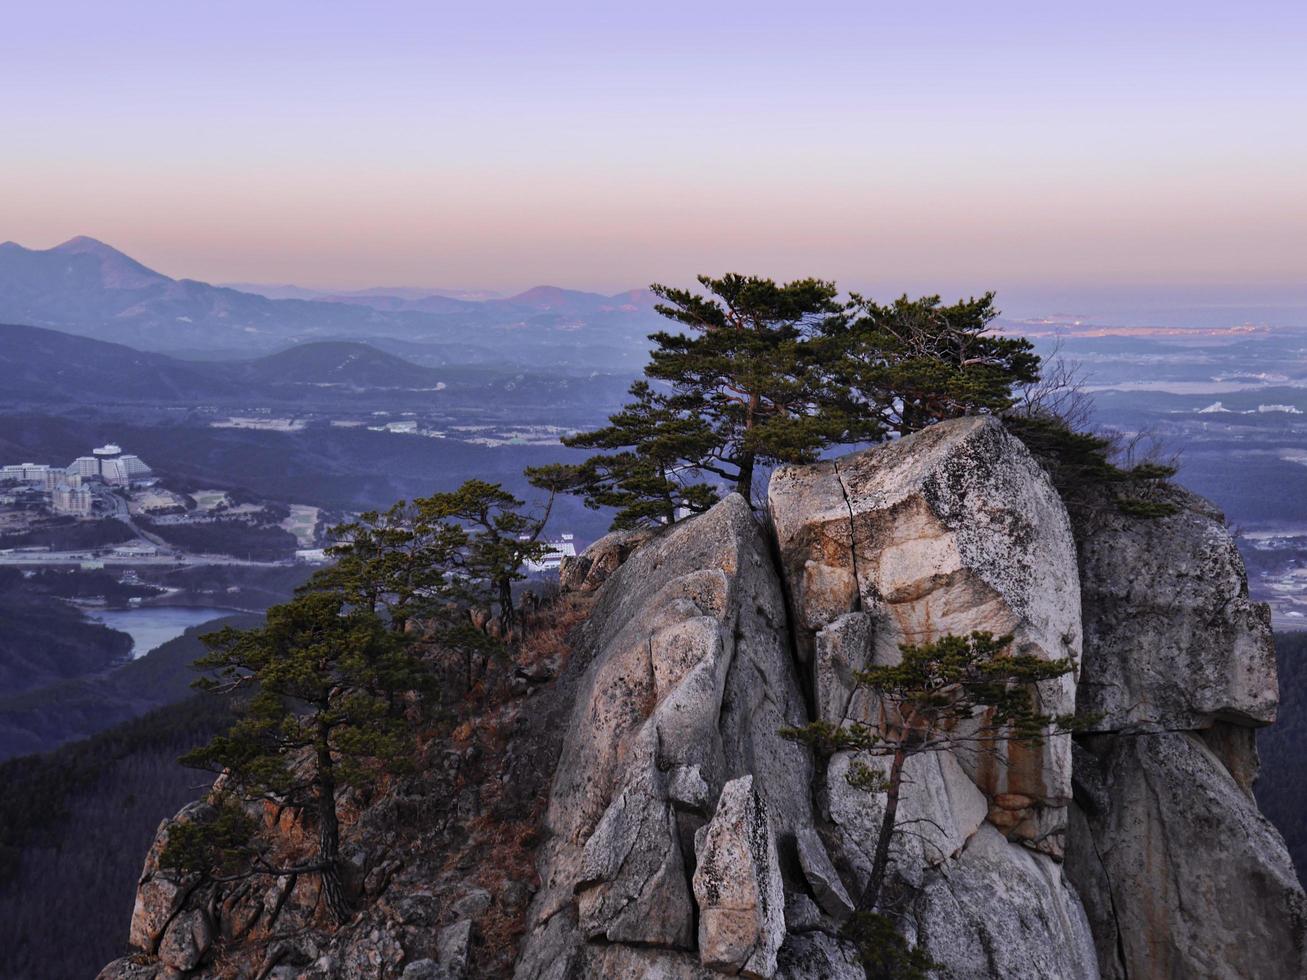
676,834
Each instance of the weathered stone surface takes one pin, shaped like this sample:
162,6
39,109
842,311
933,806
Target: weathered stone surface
951,530
620,962
161,893
822,876
940,808
686,789
1172,640
186,940
680,840
590,569
813,955
130,968
737,885
454,947
1199,884
632,886
423,969
1001,910
689,681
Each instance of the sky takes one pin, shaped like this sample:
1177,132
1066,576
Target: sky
931,146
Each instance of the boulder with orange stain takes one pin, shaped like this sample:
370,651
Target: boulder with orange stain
948,531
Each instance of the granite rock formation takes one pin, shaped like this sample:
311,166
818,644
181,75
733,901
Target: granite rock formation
676,834
1181,875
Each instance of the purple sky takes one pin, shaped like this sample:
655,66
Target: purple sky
949,146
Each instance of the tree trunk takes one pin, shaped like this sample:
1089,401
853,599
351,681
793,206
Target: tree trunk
506,612
871,894
329,834
669,499
744,482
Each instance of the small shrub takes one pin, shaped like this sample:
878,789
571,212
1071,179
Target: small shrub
885,954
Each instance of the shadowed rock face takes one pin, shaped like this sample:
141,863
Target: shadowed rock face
690,683
1172,640
1181,875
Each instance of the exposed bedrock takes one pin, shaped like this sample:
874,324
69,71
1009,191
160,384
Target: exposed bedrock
1182,877
1172,641
951,530
685,839
690,680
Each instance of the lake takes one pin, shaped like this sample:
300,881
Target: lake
150,627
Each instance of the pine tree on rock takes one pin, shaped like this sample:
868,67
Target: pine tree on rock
915,362
962,694
323,711
747,370
398,563
501,539
643,474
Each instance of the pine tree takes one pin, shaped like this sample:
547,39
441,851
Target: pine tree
747,370
647,479
323,710
958,693
915,362
399,563
500,540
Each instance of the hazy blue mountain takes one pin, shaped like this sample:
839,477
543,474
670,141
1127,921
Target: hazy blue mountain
47,366
342,363
47,369
87,287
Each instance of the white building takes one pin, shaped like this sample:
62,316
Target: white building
552,560
113,472
72,500
135,467
87,467
33,473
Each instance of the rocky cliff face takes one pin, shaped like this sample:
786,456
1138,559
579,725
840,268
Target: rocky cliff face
1180,873
679,836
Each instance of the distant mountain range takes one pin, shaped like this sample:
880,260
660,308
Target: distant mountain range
42,367
89,288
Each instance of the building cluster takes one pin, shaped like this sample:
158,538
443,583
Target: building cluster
68,487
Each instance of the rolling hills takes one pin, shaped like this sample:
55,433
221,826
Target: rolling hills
47,368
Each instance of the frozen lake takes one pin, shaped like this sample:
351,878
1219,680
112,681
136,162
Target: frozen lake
152,626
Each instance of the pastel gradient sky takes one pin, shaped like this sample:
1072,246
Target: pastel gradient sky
934,145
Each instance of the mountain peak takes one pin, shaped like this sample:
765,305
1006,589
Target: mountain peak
84,243
118,270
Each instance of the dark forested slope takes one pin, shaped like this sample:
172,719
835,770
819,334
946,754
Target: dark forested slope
1282,788
73,826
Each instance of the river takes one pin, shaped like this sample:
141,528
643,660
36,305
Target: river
150,627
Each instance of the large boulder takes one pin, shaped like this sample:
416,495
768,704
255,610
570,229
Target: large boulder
1172,640
161,893
589,570
737,885
951,530
688,682
1183,877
